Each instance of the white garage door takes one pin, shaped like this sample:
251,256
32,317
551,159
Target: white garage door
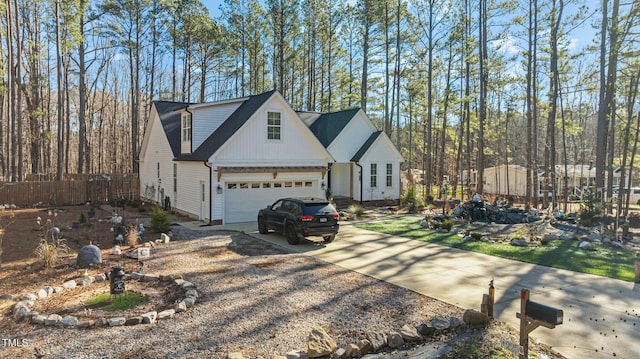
243,200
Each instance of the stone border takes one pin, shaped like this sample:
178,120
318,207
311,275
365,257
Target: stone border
21,309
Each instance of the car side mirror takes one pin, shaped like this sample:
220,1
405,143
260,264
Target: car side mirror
269,206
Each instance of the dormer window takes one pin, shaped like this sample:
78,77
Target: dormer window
273,125
186,127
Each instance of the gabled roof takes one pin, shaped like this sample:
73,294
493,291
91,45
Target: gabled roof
232,124
329,125
365,147
170,120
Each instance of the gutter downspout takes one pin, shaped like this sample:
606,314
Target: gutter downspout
210,194
361,190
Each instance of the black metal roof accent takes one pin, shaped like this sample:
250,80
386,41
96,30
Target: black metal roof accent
365,147
329,125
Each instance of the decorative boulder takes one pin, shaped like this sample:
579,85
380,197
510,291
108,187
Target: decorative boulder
475,318
89,256
320,343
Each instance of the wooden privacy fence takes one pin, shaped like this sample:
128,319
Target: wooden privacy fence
92,188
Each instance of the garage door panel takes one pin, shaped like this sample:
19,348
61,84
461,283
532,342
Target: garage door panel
243,200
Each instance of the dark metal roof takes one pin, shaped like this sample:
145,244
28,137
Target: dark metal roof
365,147
329,125
232,124
170,119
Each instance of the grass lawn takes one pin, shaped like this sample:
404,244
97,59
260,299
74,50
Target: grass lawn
604,261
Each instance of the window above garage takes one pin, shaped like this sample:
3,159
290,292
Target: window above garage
273,125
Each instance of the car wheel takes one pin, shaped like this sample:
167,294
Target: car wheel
329,238
292,235
262,226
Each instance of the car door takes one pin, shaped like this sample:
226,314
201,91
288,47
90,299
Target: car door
276,214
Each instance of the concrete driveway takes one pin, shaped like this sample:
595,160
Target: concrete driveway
601,315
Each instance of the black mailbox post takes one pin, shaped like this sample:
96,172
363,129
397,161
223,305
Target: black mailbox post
533,315
116,280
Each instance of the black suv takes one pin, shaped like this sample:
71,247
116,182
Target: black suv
297,218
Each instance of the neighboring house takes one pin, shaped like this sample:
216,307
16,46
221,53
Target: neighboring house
366,164
512,179
223,161
506,180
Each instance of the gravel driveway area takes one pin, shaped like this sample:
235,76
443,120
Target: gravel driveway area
255,297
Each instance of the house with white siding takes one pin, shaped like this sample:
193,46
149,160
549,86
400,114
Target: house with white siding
222,161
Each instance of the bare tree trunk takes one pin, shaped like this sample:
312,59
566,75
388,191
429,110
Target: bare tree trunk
60,97
484,79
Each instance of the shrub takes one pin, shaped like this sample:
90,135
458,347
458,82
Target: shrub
476,235
356,210
590,211
446,225
82,218
411,200
51,245
132,236
160,220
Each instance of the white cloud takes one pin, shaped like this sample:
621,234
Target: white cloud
507,46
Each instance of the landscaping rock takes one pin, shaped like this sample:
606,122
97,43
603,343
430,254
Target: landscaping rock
164,238
85,324
88,256
394,340
456,323
42,294
189,301
38,319
426,330
149,318
586,245
338,354
136,275
475,318
440,323
21,312
58,289
519,243
187,285
297,355
69,321
133,321
48,289
29,297
7,296
365,346
169,313
100,278
70,284
86,281
191,293
101,322
53,319
180,307
116,321
352,350
149,278
378,340
320,343
410,334
235,355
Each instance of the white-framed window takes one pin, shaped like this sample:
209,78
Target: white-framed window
186,127
389,174
175,177
374,175
273,125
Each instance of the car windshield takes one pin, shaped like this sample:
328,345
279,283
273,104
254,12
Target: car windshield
317,208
